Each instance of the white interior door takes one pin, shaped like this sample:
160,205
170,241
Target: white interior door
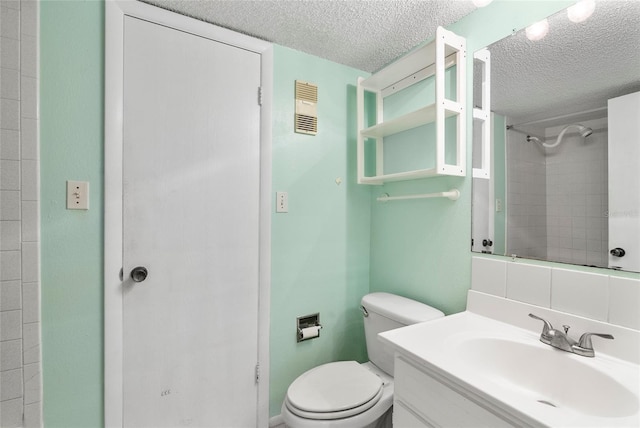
191,199
482,205
482,218
624,182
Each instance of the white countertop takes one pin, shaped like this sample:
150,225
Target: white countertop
456,347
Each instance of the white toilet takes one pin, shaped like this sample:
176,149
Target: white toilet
347,394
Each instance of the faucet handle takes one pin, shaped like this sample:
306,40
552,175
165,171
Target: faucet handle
547,324
585,339
585,347
546,334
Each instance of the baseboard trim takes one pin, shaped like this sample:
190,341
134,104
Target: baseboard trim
276,422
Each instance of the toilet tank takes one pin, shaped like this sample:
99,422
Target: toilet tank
384,312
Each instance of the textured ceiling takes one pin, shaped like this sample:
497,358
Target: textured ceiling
575,68
366,35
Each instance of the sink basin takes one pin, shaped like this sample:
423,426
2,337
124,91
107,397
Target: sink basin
506,370
547,375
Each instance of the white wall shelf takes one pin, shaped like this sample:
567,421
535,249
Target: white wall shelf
446,50
399,176
408,121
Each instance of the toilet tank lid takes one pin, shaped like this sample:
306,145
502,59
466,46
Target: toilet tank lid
400,309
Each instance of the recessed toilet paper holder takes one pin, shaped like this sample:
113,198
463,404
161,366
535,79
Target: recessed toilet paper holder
308,327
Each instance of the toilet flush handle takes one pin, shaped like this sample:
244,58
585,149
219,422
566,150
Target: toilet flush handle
364,311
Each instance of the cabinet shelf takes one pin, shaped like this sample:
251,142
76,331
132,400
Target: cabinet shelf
408,121
414,174
400,176
446,50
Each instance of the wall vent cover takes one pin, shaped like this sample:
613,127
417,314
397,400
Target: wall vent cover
306,116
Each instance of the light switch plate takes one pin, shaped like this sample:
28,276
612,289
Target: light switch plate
282,202
77,195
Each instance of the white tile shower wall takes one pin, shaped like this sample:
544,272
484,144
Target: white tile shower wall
20,362
591,295
526,201
557,203
577,228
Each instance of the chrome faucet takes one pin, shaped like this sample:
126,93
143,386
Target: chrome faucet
559,339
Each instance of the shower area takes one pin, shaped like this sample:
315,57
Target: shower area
557,189
20,355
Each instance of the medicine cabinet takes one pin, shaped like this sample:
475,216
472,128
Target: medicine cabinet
430,137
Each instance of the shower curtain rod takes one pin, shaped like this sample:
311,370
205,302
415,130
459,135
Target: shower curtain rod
564,116
511,128
452,194
550,137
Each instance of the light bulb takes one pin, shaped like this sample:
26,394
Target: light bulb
537,30
481,3
581,11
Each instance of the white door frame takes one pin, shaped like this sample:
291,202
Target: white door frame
115,12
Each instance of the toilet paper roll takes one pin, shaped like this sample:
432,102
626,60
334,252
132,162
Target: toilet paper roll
309,332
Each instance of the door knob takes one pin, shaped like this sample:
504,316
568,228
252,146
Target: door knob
617,252
139,274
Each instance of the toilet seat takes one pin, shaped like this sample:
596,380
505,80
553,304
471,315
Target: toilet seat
334,390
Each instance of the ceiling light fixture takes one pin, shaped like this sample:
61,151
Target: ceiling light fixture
581,11
537,30
481,3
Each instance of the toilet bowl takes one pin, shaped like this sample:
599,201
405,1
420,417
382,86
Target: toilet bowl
347,394
343,394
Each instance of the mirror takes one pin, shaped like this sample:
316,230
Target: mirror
563,185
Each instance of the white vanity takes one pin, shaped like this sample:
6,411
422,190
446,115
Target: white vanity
486,367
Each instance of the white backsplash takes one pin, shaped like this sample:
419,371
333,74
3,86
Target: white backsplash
596,296
625,345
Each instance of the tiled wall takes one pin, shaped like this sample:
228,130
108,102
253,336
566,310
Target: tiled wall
557,201
20,372
596,296
526,198
577,224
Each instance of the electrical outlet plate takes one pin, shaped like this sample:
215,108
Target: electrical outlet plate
77,195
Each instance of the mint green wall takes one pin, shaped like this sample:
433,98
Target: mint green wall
71,148
320,249
420,248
